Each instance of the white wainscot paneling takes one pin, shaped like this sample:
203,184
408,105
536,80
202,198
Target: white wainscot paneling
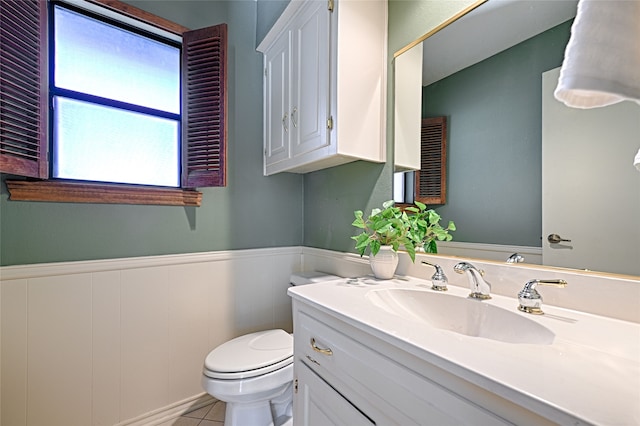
122,342
13,311
59,352
497,252
106,311
145,340
189,324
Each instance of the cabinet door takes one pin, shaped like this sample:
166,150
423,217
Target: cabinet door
277,120
310,79
408,110
319,404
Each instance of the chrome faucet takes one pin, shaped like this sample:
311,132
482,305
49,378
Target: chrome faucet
529,298
480,289
439,279
515,258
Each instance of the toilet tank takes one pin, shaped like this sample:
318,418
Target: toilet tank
311,277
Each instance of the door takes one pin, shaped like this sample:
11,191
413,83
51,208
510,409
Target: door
598,211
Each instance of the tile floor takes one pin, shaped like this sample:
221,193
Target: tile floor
210,415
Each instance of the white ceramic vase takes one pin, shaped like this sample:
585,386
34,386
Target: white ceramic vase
384,263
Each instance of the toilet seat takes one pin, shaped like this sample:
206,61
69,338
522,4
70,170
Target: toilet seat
250,355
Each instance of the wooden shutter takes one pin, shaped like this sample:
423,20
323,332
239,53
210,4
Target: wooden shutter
23,88
204,121
431,179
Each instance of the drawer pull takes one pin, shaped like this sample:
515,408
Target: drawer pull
323,351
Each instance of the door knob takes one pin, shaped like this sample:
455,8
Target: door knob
555,239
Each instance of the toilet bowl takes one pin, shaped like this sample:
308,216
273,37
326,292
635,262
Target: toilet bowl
249,372
253,373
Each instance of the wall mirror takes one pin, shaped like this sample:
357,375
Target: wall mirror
484,72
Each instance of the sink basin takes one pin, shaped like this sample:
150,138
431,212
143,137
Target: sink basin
461,315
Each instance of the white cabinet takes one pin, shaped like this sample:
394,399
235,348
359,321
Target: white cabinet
296,88
340,368
325,85
276,90
408,109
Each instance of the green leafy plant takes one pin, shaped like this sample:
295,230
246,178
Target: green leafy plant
387,226
425,229
413,227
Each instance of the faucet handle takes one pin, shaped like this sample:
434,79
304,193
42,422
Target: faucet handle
529,298
439,279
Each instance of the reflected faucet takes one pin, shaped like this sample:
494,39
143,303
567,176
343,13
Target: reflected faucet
480,289
515,258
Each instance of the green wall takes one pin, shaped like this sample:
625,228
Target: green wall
409,20
494,125
268,13
252,211
331,195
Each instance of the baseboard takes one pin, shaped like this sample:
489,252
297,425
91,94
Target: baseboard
170,412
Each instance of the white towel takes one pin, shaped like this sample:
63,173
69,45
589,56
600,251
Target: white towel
602,59
636,162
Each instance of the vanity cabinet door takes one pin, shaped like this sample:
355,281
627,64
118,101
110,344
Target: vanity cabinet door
372,379
318,404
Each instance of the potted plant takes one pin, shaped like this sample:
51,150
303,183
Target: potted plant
425,229
386,229
383,232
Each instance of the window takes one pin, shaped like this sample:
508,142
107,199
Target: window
154,111
116,103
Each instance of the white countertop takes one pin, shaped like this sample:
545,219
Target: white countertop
590,374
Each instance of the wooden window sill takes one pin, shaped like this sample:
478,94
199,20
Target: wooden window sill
74,192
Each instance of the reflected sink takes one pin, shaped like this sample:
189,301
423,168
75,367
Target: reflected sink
465,316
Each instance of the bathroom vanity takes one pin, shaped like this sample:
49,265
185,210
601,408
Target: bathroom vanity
397,352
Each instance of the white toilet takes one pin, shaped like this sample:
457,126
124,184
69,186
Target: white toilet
253,374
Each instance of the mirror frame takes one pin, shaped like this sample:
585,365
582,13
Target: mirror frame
413,186
446,23
416,42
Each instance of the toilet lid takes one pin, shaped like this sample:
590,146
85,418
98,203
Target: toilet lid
250,355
